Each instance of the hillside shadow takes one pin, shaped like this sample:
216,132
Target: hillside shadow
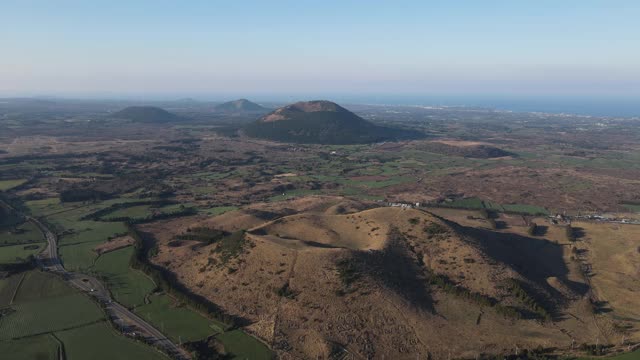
541,230
398,271
534,258
578,232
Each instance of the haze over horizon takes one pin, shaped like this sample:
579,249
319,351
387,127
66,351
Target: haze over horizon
572,49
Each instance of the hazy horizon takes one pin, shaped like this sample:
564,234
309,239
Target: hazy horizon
159,48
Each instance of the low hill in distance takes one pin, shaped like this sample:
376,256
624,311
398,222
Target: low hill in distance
322,122
465,149
146,114
240,105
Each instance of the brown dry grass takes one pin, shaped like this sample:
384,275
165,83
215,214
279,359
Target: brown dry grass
367,319
114,244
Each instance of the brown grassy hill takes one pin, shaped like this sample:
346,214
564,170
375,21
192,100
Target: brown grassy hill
320,276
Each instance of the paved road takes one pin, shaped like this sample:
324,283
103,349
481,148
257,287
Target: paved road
118,314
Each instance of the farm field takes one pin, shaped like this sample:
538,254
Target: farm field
18,253
76,249
80,344
22,234
128,286
243,346
632,207
52,311
41,347
178,323
37,285
634,355
45,306
8,287
10,184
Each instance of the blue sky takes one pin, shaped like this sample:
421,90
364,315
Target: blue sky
167,48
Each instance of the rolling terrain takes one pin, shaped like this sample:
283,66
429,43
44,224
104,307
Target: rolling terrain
338,276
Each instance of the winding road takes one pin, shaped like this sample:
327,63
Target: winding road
122,317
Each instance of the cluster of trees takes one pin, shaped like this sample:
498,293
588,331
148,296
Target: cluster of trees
73,195
592,349
570,234
9,218
207,349
286,292
166,281
156,216
444,283
347,271
98,215
490,216
516,289
203,234
532,230
434,229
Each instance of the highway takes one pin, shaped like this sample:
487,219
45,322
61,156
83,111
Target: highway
122,317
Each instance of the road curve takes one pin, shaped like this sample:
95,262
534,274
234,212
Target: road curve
118,314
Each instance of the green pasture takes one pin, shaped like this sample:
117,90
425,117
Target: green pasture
22,234
178,322
99,341
128,286
18,253
10,184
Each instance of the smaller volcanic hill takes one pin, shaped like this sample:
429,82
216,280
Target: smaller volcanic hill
240,105
322,122
465,149
146,114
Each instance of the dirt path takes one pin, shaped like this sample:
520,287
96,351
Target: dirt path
281,299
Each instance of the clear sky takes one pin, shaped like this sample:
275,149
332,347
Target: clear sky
94,47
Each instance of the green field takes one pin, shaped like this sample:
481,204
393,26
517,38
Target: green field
10,184
477,204
178,323
45,305
635,355
128,286
49,314
22,234
76,250
18,253
80,343
243,346
134,212
632,207
41,347
526,209
38,285
468,203
8,287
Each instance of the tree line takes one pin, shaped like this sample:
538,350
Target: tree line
166,281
